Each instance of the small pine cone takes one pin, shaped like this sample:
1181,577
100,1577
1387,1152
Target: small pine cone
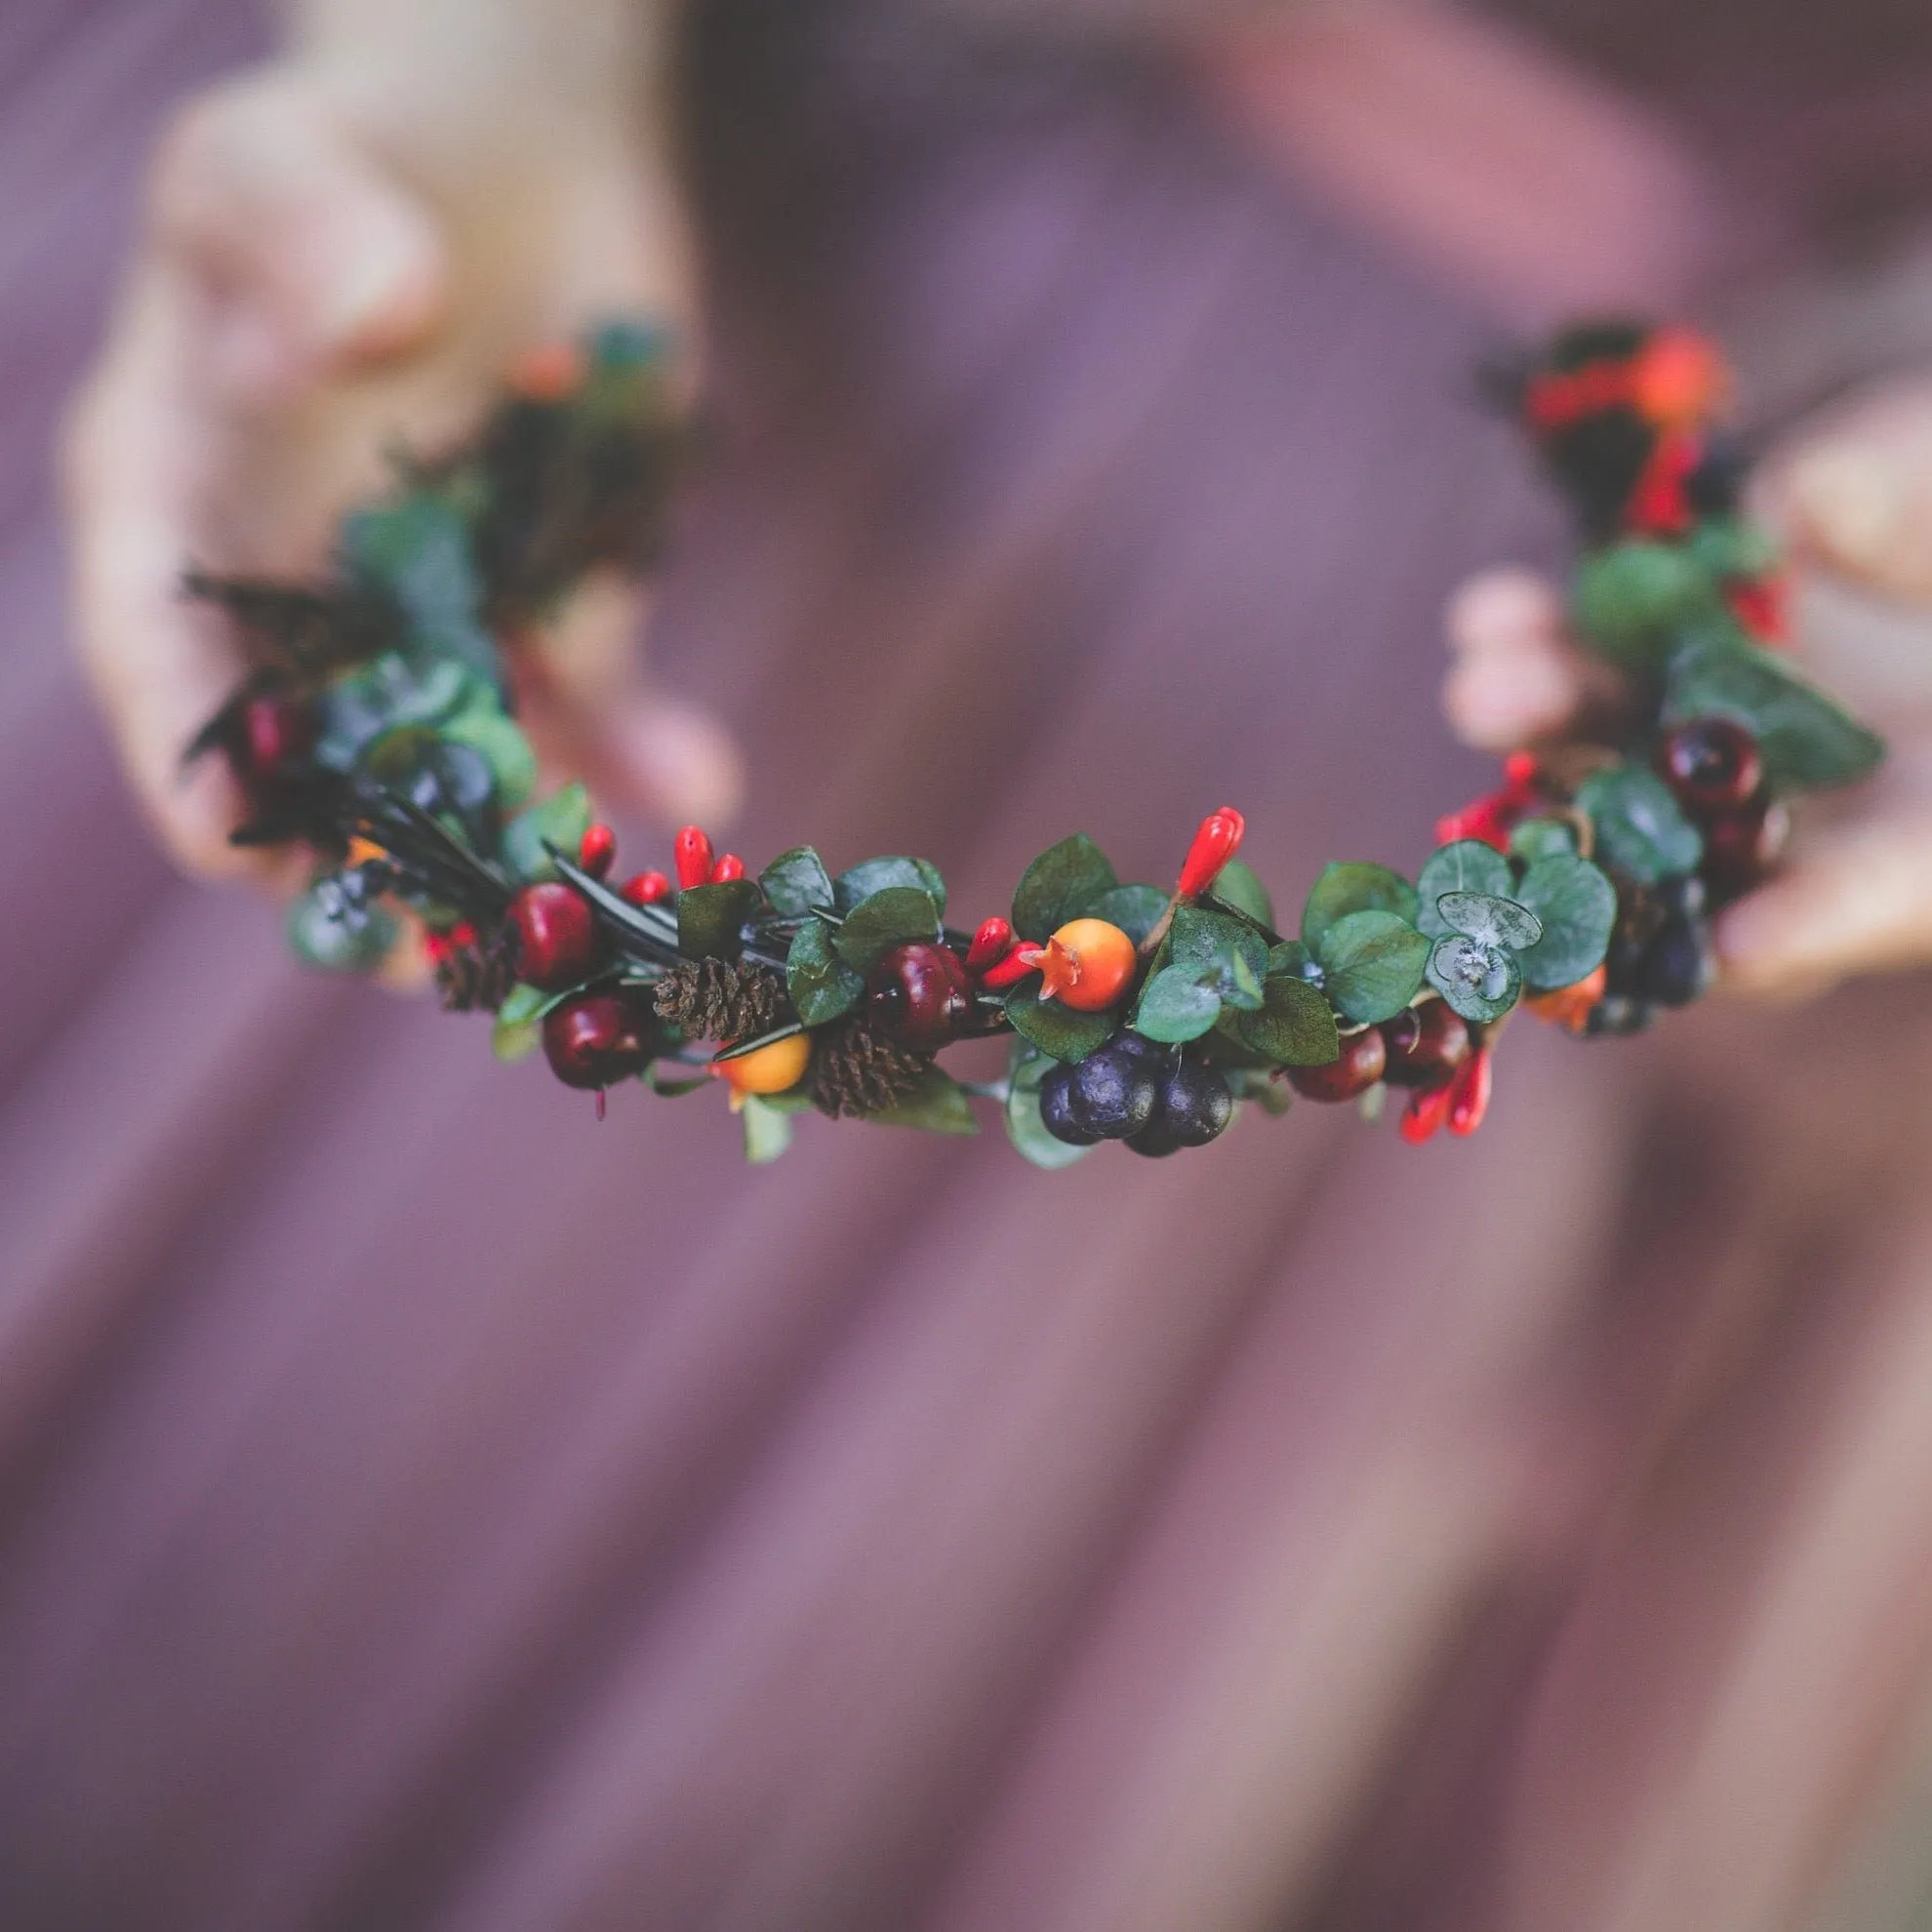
711,999
473,976
857,1072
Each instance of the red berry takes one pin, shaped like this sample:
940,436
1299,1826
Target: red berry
730,866
1711,764
1468,1093
557,936
275,731
990,945
1425,1044
922,996
1425,1112
693,853
646,889
1741,846
597,1039
597,850
1363,1058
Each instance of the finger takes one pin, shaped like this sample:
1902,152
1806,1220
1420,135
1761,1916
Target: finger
1515,676
1859,901
132,461
321,265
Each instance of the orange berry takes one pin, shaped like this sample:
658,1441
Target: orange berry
551,373
1089,964
771,1069
1569,1007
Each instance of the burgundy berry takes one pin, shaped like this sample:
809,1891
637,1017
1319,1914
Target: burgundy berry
555,935
1740,847
1711,764
597,1039
922,996
1425,1044
1363,1059
274,733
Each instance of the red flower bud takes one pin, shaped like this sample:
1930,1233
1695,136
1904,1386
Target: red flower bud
1013,968
692,852
730,866
1425,1112
646,889
597,850
1468,1092
990,944
1218,840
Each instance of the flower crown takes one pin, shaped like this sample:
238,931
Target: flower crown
375,727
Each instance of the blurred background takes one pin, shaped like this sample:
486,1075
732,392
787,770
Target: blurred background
420,1506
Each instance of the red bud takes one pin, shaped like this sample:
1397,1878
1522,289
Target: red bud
1425,1112
597,850
990,944
1013,968
1218,840
1468,1093
730,866
692,852
646,889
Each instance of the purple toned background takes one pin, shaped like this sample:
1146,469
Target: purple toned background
422,1508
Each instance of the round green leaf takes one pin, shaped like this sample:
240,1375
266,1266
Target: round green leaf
938,1104
1057,1030
1633,600
1479,981
1220,952
1294,1027
1237,886
1354,888
560,819
1175,1006
1023,1126
1134,908
1639,826
710,918
505,748
334,945
1372,965
1494,921
1541,838
1066,881
1466,864
821,985
767,1131
872,876
796,881
1578,907
895,916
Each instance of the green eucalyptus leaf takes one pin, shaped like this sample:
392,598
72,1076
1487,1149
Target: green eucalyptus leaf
1134,908
1807,741
1353,888
1578,907
522,1003
710,918
1466,864
1727,546
1633,600
1372,964
820,985
560,819
1294,960
503,748
1494,921
1639,826
1175,1006
417,550
796,881
1224,951
1294,1027
512,1040
1479,981
872,876
1543,838
335,946
1026,1068
1237,886
893,917
1057,1030
1066,881
767,1131
938,1104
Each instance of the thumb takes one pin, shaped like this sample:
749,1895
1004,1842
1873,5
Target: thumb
314,260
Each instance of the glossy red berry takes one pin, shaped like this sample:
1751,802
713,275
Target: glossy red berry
1425,1044
1740,847
1468,1093
597,850
922,995
1425,1112
646,889
990,944
1364,1056
555,935
692,852
1713,765
275,731
597,1038
731,866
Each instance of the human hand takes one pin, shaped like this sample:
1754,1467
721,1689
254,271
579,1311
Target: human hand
318,279
1852,497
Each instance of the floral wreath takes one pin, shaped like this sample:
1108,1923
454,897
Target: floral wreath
375,728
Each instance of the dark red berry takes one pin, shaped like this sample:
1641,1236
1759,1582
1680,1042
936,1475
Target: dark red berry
1740,847
1363,1059
597,1040
1711,764
922,995
1425,1044
555,935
